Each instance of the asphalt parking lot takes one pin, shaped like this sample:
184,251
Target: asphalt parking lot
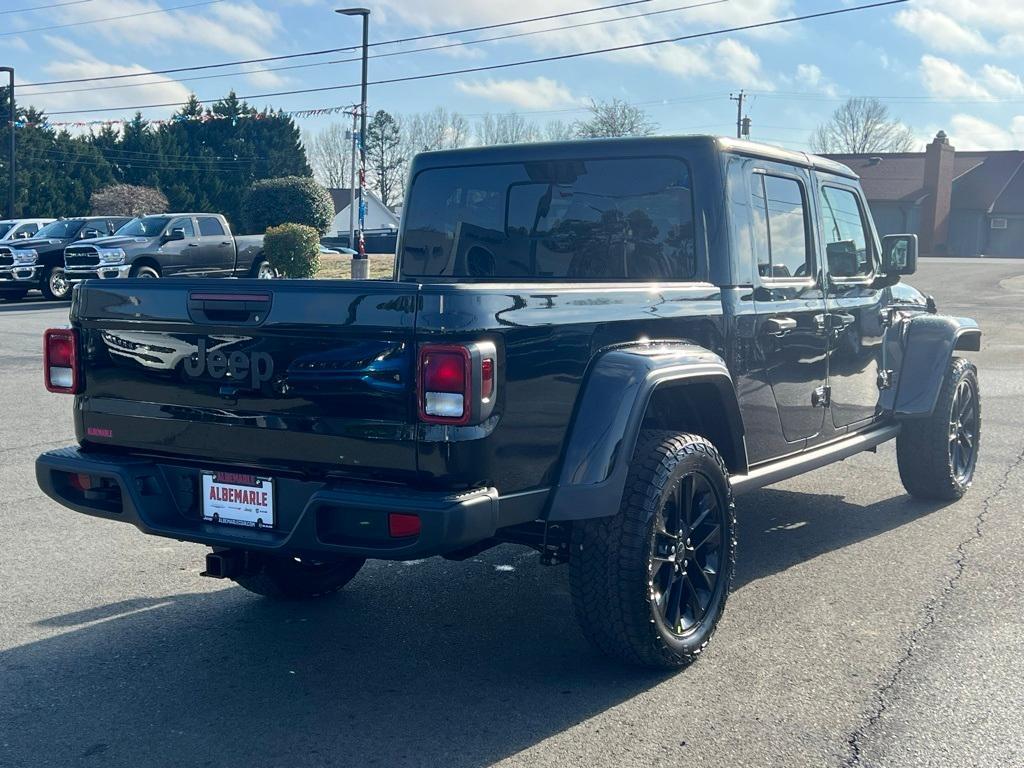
865,628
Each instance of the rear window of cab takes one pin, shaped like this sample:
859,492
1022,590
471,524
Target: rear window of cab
603,219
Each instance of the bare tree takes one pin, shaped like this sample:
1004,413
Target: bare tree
862,125
505,129
438,129
614,118
127,200
558,130
329,153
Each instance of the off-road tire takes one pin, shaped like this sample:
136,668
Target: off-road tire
609,574
923,446
145,270
283,578
53,288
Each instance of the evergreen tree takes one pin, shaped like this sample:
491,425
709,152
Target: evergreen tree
385,156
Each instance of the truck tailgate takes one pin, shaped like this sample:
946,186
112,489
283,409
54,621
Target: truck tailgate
300,374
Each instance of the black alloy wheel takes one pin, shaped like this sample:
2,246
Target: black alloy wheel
686,552
963,432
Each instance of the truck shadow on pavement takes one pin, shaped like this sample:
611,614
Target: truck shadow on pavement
424,663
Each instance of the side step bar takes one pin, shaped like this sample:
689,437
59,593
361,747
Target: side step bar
784,469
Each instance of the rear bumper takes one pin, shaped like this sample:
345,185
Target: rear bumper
313,518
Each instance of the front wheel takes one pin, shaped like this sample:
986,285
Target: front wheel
56,285
263,271
937,455
650,583
285,578
144,270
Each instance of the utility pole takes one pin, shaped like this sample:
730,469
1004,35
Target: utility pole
739,113
10,167
360,266
352,187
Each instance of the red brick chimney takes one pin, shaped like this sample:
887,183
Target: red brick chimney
938,186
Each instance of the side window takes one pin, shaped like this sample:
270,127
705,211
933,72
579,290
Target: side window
846,239
210,227
30,230
185,224
780,225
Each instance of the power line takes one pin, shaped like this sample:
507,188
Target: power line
455,44
335,50
44,7
108,18
507,65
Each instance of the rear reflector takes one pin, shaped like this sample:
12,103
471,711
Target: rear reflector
401,526
486,378
60,361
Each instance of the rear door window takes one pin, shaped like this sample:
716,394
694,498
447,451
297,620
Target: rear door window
615,219
780,228
210,227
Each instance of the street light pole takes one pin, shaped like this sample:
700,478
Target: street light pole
10,169
360,265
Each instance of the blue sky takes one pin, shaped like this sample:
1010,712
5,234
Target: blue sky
949,64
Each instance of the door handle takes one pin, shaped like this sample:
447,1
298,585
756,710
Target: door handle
225,242
779,326
193,245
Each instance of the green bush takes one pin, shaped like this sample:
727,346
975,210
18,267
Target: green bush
293,250
290,199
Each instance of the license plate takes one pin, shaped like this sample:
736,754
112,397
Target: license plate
238,499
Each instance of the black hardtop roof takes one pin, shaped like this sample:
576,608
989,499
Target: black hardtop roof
628,147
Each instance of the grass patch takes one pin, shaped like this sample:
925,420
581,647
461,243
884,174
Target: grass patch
340,267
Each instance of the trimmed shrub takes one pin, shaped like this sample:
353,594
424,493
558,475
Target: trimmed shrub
293,250
287,200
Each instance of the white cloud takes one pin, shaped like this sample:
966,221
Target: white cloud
1002,82
967,132
810,77
941,32
539,93
946,80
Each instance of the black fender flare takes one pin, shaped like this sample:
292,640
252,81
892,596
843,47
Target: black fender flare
928,345
610,412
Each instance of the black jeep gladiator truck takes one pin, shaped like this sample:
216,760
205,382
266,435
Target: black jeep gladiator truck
168,245
39,261
587,348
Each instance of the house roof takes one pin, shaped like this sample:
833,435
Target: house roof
342,198
988,181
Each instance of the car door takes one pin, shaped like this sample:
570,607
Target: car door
179,258
789,300
217,248
854,317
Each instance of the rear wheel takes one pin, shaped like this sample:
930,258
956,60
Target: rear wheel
56,285
145,270
650,583
937,455
285,578
262,270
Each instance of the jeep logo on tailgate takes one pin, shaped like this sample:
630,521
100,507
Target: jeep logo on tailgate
258,367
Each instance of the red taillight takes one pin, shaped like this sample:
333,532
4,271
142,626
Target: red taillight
401,526
60,361
445,384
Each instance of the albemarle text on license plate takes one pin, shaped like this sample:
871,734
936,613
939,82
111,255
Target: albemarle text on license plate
238,499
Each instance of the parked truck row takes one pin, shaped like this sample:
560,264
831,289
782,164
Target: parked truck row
53,256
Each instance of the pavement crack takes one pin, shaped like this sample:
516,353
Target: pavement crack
855,741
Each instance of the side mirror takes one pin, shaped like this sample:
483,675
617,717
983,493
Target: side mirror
178,233
89,234
899,254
